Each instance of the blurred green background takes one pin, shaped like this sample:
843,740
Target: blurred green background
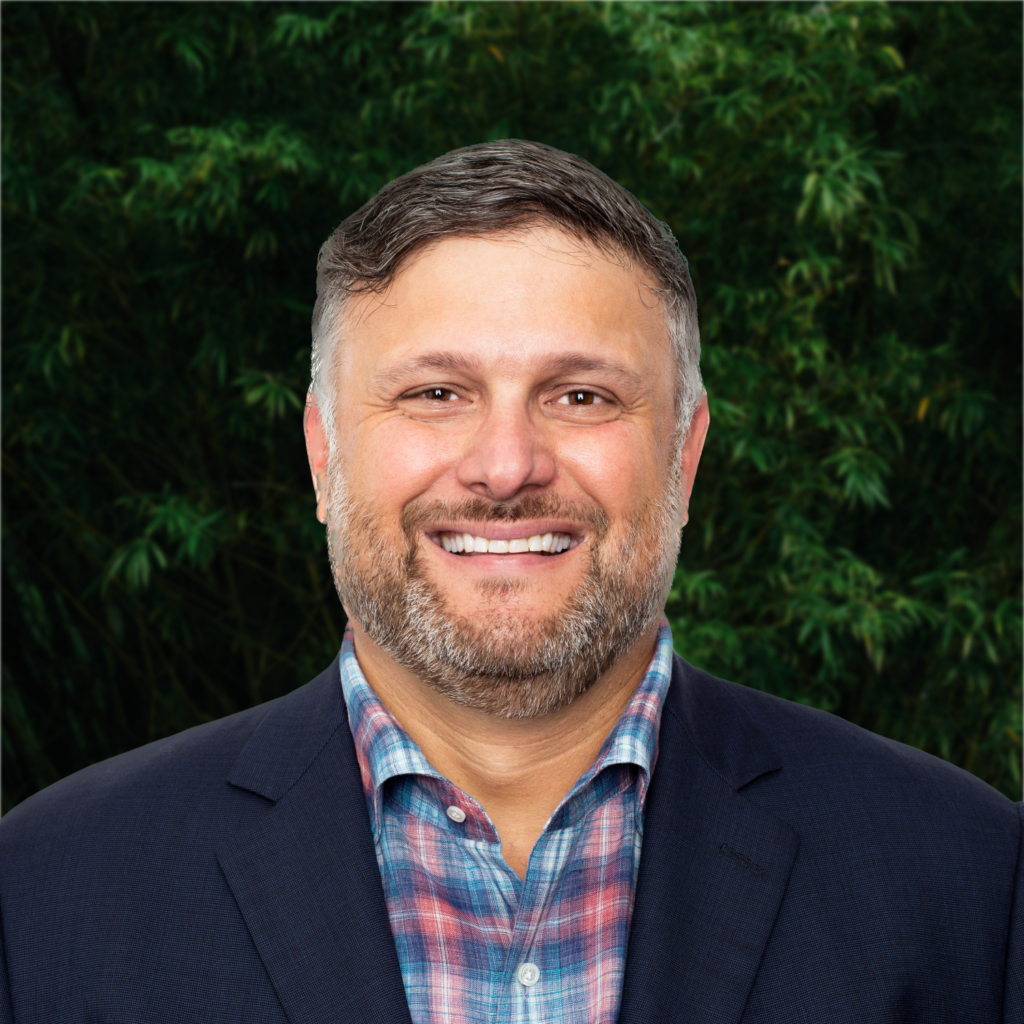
844,178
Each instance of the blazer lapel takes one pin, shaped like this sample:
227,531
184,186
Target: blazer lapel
714,865
305,876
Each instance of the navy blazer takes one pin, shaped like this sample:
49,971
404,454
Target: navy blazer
794,869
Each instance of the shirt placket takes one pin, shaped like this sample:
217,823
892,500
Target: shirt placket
528,991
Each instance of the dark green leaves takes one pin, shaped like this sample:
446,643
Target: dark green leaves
844,178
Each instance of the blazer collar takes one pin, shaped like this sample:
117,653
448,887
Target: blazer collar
292,733
714,866
305,876
720,729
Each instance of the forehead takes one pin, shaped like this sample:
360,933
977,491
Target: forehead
510,297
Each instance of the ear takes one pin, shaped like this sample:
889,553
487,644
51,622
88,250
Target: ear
317,451
692,448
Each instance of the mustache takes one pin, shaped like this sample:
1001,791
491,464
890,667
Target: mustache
419,514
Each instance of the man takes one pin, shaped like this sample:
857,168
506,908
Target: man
508,800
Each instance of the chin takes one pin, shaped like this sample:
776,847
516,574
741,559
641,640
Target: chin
518,598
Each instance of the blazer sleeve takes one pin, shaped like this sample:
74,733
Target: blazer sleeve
1013,995
6,1009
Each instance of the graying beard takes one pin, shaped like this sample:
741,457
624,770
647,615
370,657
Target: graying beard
511,669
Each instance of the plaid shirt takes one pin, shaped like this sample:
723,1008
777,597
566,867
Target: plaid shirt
476,943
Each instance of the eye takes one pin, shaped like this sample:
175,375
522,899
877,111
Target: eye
580,398
439,395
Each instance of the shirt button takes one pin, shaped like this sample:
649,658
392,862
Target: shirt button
456,814
528,974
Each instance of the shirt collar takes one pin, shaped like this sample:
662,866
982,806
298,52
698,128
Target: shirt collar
633,740
385,750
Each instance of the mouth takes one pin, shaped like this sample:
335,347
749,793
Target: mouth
465,542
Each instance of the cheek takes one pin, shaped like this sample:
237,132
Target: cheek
618,466
397,460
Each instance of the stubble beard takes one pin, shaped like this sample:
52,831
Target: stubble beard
505,662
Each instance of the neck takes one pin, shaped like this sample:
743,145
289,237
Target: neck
518,770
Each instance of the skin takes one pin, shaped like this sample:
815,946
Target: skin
462,381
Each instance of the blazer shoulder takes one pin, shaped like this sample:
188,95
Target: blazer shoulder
184,763
187,771
811,744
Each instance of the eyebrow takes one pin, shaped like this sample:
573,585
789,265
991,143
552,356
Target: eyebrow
563,365
577,363
440,361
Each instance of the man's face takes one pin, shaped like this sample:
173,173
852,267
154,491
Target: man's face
511,394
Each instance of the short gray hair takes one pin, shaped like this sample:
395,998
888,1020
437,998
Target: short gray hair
489,189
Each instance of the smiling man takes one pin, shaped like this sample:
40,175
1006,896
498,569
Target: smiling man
508,800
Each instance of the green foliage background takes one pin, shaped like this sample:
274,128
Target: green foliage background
844,178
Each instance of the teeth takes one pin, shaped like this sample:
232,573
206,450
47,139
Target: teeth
552,543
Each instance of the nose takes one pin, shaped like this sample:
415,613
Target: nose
508,454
